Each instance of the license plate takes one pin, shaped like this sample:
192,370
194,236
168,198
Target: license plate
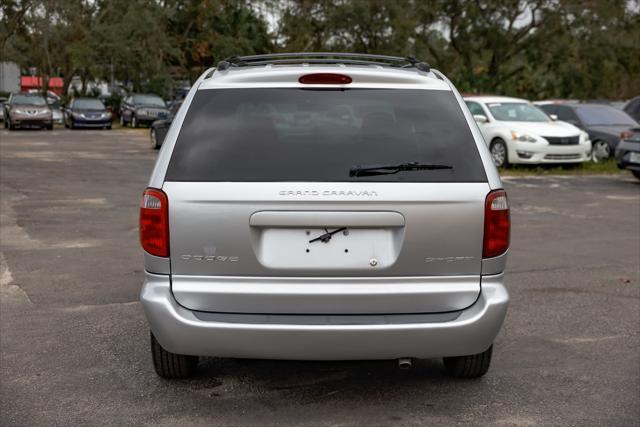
634,157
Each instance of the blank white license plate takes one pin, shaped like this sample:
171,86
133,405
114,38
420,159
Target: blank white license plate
634,157
357,249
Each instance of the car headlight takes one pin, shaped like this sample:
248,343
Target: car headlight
18,111
518,136
76,115
143,112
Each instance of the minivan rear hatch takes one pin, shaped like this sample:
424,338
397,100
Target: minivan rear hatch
267,216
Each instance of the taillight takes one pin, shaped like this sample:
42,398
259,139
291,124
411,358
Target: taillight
325,79
626,135
154,222
496,224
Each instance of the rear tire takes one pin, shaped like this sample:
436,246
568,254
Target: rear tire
600,151
170,365
636,174
473,366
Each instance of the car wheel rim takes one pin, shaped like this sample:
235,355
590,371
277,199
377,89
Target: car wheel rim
601,151
498,153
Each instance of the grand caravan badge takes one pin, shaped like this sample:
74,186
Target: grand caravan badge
328,193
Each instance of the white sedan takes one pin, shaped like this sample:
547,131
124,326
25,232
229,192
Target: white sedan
517,131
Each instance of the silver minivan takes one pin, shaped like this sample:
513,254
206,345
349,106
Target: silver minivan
324,206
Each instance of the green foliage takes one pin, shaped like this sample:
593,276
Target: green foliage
530,48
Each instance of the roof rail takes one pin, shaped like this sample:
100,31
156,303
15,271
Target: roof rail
323,58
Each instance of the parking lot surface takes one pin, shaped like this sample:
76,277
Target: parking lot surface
74,341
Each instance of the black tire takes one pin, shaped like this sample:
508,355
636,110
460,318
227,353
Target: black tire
154,139
636,174
499,145
5,123
71,125
10,125
50,127
170,365
473,366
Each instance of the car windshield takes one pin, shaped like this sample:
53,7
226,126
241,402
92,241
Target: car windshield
29,100
593,115
88,104
517,112
151,100
287,134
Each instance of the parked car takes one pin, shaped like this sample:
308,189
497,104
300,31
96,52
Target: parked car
363,220
142,109
632,108
603,123
160,127
87,113
2,102
628,152
517,131
56,111
24,110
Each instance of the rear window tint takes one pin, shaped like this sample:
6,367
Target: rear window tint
291,134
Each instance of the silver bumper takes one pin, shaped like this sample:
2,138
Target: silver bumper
180,331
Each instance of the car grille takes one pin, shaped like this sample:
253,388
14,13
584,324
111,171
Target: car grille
563,140
562,156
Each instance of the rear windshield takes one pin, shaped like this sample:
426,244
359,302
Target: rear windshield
291,134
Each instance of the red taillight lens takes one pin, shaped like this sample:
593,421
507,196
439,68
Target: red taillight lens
325,79
154,222
626,135
496,224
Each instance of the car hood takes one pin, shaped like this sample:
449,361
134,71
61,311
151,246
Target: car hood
557,128
31,107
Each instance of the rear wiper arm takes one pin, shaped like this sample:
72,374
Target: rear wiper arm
391,169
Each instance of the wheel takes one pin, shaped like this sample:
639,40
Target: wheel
636,174
170,365
108,127
134,121
71,125
473,366
6,123
154,139
50,127
499,153
600,151
10,125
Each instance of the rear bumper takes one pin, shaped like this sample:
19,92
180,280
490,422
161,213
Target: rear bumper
623,155
183,331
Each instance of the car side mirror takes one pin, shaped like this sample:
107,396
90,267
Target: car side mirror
553,117
480,118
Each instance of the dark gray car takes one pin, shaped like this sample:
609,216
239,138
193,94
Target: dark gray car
604,124
142,109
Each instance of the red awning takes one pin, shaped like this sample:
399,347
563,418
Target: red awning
35,82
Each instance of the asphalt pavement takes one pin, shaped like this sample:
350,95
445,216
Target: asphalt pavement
74,343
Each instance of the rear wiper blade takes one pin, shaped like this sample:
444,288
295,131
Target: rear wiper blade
391,169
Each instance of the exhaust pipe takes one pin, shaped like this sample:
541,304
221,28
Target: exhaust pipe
404,363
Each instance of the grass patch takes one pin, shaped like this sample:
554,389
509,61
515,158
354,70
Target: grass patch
608,167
